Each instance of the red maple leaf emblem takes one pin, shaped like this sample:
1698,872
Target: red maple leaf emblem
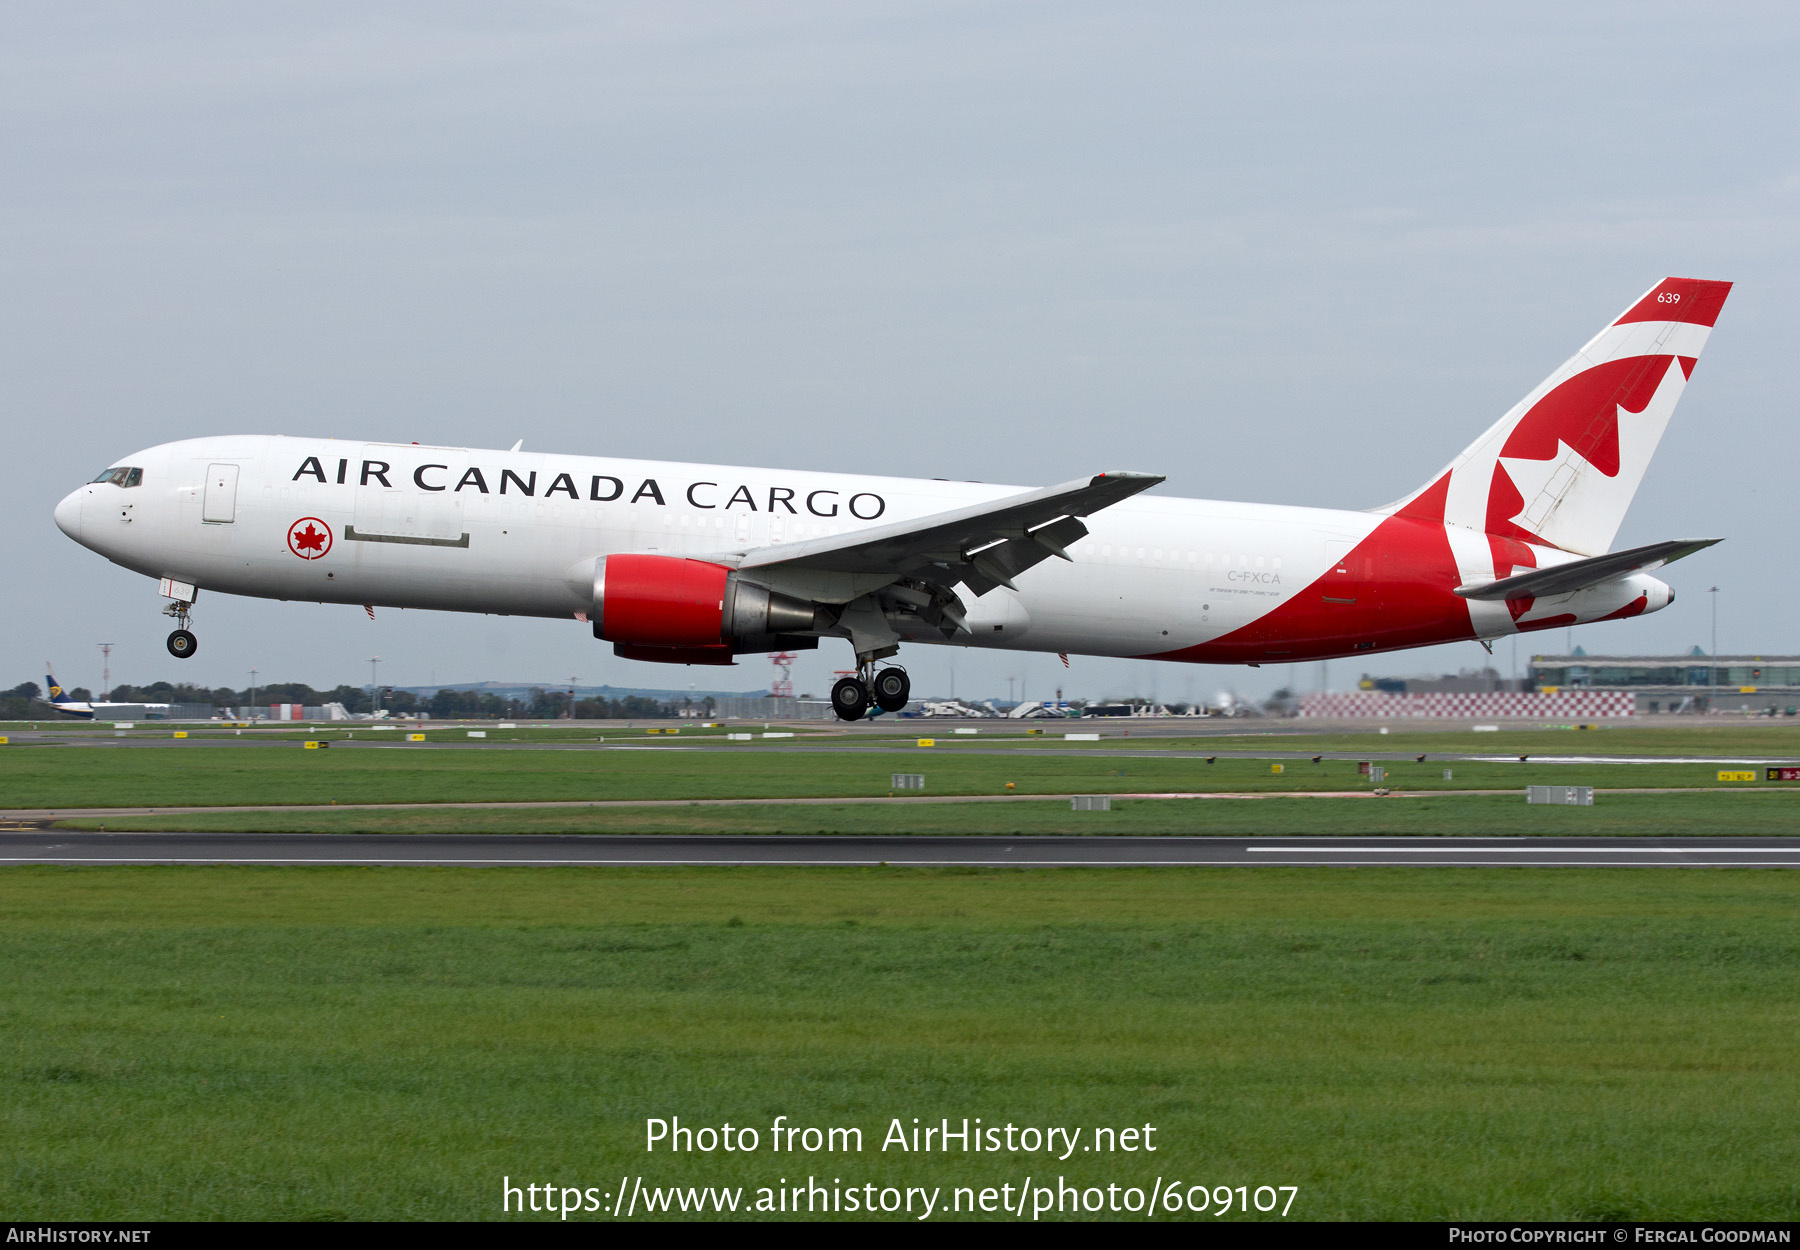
309,538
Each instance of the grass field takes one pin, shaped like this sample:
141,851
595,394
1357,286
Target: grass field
1749,814
382,1044
184,774
1758,738
1754,735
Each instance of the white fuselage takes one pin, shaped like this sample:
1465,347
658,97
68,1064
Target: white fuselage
516,533
87,711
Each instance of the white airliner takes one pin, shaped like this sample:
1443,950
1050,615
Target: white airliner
59,701
697,563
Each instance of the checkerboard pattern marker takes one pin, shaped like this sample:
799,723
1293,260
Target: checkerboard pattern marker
1563,705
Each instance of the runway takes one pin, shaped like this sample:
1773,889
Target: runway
574,850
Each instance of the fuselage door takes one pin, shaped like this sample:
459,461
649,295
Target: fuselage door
1341,582
398,497
220,505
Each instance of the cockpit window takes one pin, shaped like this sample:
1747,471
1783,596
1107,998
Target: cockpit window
122,477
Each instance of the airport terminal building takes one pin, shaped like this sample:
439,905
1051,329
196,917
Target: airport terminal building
1581,687
1695,682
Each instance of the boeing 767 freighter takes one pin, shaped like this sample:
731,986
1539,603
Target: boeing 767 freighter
698,563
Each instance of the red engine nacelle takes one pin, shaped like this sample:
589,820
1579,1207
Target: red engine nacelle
681,611
659,601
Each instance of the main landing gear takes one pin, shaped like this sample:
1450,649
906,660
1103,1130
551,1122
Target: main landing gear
893,689
182,643
889,690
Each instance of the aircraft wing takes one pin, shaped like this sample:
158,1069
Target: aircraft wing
983,545
1562,579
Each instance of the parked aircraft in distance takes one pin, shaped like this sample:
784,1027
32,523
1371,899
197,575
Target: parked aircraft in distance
60,701
698,563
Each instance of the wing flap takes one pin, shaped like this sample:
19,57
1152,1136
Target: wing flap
907,571
987,543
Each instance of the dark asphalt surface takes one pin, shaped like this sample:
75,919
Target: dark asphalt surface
476,850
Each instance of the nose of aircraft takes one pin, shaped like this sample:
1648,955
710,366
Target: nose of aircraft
68,513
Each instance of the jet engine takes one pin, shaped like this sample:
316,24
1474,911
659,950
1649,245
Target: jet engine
684,611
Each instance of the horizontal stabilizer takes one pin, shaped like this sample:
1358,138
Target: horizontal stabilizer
1563,579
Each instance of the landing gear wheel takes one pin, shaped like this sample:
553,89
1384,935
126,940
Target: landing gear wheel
850,698
182,644
893,689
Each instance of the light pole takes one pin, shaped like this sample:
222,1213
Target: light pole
250,712
374,685
105,670
1712,668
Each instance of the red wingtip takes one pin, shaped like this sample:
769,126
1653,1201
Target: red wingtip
1693,300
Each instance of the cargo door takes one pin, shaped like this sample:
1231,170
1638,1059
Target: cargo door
420,506
220,504
1341,583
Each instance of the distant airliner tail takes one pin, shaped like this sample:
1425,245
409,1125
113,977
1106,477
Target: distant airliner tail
1561,468
60,700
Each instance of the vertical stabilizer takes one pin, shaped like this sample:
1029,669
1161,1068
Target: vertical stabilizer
1560,469
59,699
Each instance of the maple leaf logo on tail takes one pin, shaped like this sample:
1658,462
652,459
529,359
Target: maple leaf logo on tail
309,538
1572,448
1561,467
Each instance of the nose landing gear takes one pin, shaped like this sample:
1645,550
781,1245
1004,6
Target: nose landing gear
182,643
889,690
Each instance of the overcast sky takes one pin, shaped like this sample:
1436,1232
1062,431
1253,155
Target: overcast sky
1285,253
